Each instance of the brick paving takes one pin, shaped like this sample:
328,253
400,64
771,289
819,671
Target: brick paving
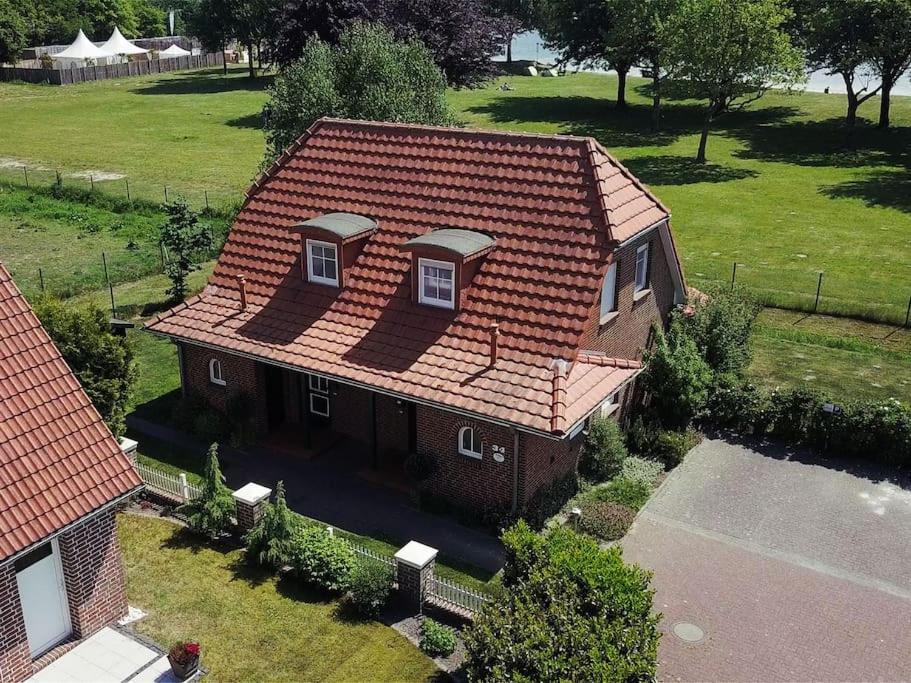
793,570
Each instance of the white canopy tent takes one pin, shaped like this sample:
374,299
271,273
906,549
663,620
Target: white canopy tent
118,45
173,51
81,50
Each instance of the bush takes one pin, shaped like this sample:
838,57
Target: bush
738,405
646,472
605,520
210,425
603,452
322,559
676,378
437,640
369,587
671,447
239,411
212,511
721,325
419,467
795,414
186,409
549,500
569,611
270,543
629,492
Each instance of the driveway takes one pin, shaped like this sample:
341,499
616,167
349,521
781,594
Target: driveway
772,566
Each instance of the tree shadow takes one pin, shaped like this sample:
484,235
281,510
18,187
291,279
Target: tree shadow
253,576
184,538
205,82
254,121
891,189
291,587
675,170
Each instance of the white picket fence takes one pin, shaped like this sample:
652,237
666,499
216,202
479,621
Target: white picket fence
174,486
455,598
387,560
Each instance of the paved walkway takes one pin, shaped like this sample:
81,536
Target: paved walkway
340,498
791,569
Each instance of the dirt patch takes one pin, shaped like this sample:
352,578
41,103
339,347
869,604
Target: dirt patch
89,174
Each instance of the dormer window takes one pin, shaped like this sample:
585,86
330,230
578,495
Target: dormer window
437,283
322,262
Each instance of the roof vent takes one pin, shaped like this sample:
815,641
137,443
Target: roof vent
494,343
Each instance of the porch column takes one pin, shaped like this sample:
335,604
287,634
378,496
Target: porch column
414,565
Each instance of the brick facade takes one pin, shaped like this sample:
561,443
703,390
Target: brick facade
95,587
627,335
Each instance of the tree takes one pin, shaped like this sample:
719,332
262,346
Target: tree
368,75
13,30
184,238
150,19
603,451
676,378
271,542
102,361
301,20
460,35
721,326
210,21
516,16
889,47
835,35
729,52
570,611
210,512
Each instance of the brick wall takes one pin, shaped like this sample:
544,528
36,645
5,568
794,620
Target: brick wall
95,587
15,663
240,375
93,571
628,334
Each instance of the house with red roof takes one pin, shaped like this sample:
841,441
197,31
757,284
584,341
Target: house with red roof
61,475
469,295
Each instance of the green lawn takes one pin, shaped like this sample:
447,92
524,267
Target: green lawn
252,626
846,358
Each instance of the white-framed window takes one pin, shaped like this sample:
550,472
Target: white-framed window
642,267
436,283
319,383
470,443
609,405
322,263
609,291
319,404
215,372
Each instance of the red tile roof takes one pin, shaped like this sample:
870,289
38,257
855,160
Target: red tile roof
58,461
555,205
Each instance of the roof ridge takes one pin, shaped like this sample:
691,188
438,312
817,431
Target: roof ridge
591,357
599,183
630,175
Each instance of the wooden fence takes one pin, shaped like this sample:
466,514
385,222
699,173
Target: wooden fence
82,74
171,486
455,598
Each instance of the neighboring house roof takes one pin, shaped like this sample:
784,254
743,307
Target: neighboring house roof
58,461
556,206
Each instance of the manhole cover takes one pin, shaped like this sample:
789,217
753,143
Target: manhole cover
688,632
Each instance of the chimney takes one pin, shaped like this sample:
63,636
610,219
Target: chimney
494,343
242,285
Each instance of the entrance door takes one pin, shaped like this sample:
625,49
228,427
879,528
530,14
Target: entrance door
275,396
42,593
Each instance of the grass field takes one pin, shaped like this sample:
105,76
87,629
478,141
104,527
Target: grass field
780,196
251,625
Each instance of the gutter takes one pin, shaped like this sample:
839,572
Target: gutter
111,503
360,385
515,471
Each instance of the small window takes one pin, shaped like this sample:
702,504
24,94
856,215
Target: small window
320,384
469,443
609,405
609,291
436,285
642,267
319,404
215,374
322,263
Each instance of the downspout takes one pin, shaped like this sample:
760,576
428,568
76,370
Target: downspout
515,470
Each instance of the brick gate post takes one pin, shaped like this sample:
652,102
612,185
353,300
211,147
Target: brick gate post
414,565
250,500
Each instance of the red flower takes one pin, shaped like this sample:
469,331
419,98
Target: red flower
192,648
184,652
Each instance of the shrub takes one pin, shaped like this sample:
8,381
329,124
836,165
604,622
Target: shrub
549,500
642,436
603,452
795,414
605,520
629,492
738,405
671,447
270,543
211,512
721,325
369,587
209,425
186,409
419,467
239,411
676,378
322,559
646,472
569,611
437,640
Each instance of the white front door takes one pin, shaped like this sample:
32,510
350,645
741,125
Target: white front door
42,593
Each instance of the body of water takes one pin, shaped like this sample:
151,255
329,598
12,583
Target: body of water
530,46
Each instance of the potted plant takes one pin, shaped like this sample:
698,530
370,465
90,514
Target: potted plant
184,659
